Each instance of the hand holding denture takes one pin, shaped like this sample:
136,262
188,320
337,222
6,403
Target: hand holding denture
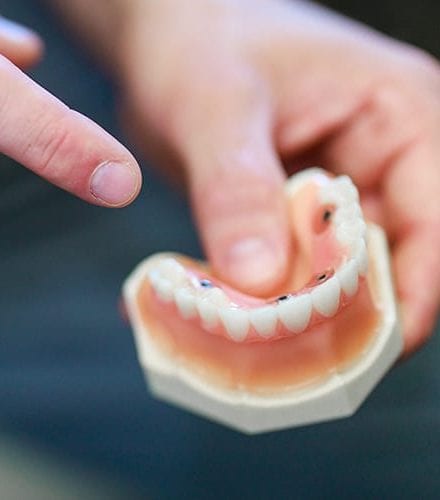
294,86
311,352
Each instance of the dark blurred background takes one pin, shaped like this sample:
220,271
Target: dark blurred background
74,409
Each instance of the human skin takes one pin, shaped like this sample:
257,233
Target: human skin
52,140
229,94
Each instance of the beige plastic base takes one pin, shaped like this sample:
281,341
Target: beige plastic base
338,396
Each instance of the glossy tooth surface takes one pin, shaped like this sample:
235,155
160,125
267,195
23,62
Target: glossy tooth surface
172,271
346,233
236,322
361,256
345,186
164,289
348,277
208,304
186,303
264,320
295,312
347,213
361,228
325,297
208,312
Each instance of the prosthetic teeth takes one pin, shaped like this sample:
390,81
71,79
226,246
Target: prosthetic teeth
264,320
186,303
325,297
295,312
348,277
348,220
209,303
200,300
236,322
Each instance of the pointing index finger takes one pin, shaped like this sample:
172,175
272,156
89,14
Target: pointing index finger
61,145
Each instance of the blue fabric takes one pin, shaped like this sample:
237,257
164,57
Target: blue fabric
68,369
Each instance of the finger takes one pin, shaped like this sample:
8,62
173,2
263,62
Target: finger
61,145
381,129
20,45
411,190
417,271
236,186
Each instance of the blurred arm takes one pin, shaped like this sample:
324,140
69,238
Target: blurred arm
98,25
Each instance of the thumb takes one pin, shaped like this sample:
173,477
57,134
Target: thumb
236,186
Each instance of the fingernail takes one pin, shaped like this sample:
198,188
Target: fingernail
115,184
255,262
15,32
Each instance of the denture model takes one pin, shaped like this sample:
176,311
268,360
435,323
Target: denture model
311,353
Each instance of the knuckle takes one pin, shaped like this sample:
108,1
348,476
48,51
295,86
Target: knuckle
49,146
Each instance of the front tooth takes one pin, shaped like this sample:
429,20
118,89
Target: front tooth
186,303
295,312
325,297
348,277
236,322
164,289
264,320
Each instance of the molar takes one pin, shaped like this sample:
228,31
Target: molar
349,231
344,185
295,312
264,320
349,212
325,297
346,233
236,322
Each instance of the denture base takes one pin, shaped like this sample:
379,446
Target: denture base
317,375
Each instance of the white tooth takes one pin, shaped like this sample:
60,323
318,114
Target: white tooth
153,277
164,289
173,271
295,312
325,297
186,303
345,185
348,277
361,255
361,227
208,304
264,320
346,233
345,213
208,312
236,322
350,230
216,296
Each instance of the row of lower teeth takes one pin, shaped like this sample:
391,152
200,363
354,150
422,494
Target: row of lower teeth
201,299
213,307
